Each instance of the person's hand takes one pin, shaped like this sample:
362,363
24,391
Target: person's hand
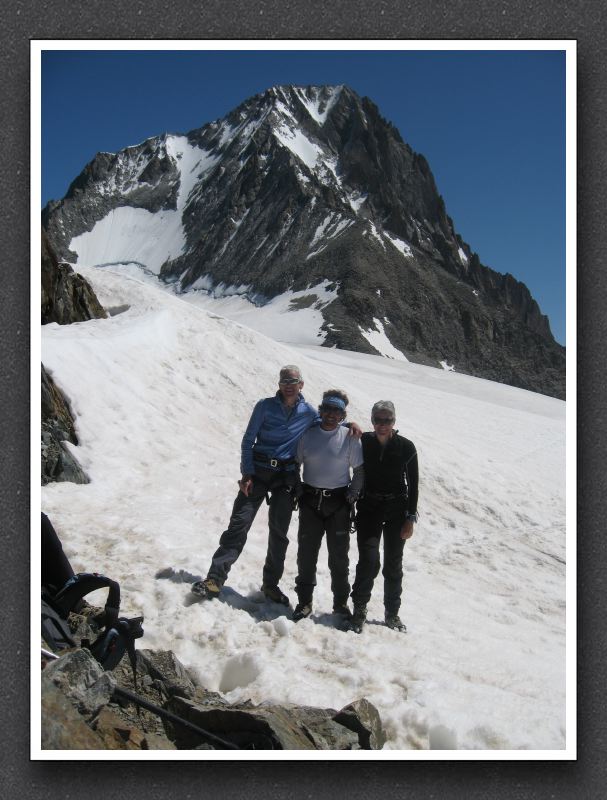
245,484
406,532
355,430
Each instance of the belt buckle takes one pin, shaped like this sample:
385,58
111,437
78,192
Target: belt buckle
326,492
273,462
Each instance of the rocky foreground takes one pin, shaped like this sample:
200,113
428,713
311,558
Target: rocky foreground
85,708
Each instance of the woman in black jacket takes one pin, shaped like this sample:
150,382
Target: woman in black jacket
388,506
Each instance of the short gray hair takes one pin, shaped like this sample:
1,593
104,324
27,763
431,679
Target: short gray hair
290,368
383,405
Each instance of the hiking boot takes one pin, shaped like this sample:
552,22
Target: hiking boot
358,619
273,593
343,611
394,622
209,588
302,610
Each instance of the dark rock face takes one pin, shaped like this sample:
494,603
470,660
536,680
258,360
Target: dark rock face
57,463
305,184
66,296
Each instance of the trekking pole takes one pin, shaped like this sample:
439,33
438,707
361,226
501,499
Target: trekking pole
161,712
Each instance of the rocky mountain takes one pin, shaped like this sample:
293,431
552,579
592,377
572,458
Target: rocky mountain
309,190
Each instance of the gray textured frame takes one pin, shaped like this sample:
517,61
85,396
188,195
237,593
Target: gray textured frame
583,20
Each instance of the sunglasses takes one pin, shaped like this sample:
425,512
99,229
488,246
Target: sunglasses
289,381
331,409
383,421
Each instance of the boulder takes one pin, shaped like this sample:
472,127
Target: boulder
363,718
164,666
81,679
62,727
264,727
116,734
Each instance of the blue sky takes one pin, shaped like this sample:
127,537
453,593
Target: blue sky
490,123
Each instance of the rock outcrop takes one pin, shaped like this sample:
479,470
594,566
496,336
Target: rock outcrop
57,462
83,708
66,298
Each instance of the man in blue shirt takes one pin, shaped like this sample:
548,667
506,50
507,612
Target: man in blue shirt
268,468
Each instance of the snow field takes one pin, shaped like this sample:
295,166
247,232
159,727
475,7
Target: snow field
162,394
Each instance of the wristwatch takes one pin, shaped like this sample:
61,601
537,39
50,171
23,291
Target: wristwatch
411,517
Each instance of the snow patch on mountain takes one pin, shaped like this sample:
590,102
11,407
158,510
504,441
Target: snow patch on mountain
400,245
135,234
313,104
299,144
292,317
356,200
378,339
131,234
375,234
328,229
193,162
237,223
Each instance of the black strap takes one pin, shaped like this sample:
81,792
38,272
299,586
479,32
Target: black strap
83,583
54,627
324,494
279,463
380,496
341,490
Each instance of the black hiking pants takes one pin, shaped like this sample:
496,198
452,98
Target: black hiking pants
279,486
374,518
319,515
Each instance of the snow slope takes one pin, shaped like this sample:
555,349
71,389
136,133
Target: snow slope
162,394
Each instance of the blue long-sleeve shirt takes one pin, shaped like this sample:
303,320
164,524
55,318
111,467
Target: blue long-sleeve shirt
274,430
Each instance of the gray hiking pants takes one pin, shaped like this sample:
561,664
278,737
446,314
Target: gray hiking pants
279,486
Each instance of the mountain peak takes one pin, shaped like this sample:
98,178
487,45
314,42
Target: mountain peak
317,100
308,186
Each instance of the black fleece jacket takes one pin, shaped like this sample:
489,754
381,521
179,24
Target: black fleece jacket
391,469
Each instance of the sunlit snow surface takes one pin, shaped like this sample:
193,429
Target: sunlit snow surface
162,393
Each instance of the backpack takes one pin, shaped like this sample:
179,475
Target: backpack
118,634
